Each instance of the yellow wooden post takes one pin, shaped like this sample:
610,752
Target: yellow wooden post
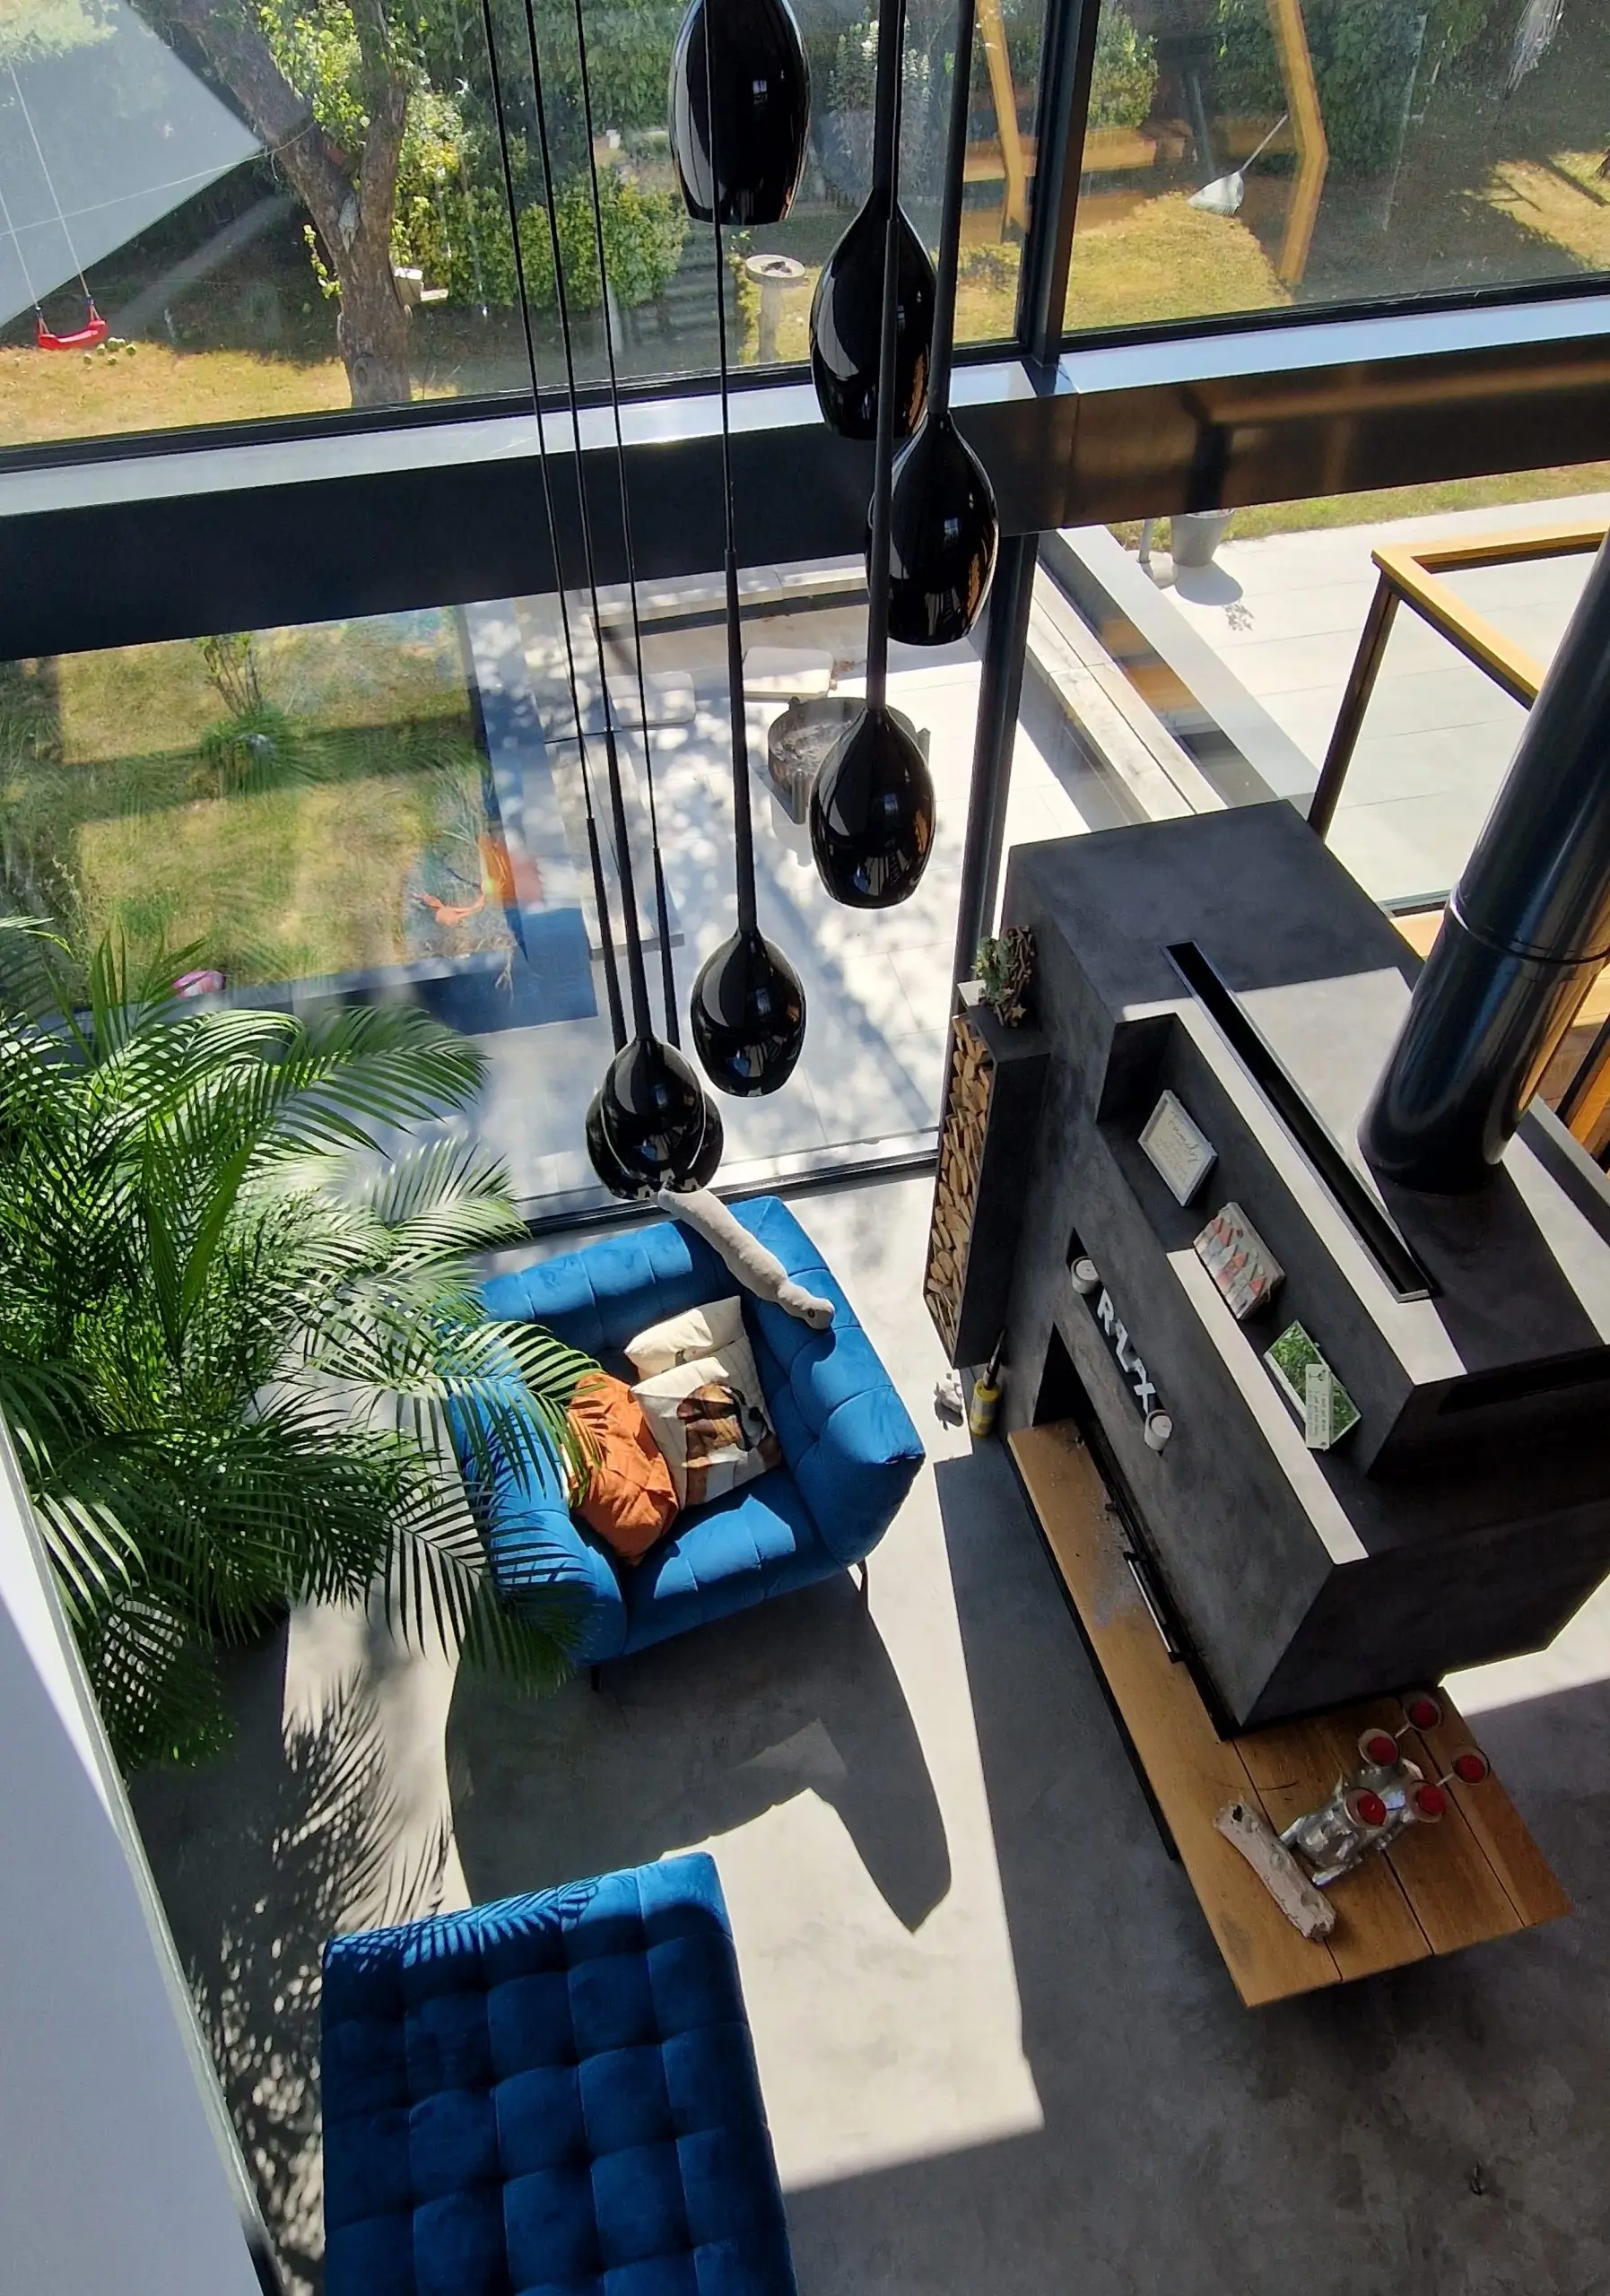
1307,126
992,31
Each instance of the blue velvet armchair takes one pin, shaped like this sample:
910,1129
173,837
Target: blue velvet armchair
550,2096
849,1449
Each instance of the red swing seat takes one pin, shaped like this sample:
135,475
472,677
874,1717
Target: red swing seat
94,330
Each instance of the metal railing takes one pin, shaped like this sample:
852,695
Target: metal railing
1409,574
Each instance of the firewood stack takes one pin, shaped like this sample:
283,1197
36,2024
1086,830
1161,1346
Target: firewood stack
956,1188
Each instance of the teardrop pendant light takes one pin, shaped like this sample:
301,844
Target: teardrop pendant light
748,1008
943,528
648,1124
847,306
872,809
741,63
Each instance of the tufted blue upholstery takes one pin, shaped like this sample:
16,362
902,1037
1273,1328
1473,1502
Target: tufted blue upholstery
551,2096
849,1449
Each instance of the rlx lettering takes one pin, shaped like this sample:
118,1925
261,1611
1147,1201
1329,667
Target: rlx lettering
1109,1321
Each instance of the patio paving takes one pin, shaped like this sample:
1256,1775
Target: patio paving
997,2046
1283,612
878,986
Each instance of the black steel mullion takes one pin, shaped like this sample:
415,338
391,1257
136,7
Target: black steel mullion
1067,59
1000,693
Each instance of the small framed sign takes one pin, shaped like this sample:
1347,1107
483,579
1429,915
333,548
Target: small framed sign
1323,1405
1239,1261
1180,1149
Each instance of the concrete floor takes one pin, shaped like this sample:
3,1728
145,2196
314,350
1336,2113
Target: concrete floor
998,2048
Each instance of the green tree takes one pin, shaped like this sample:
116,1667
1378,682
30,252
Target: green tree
230,1328
279,66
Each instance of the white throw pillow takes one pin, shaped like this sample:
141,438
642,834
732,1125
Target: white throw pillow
682,1339
710,1422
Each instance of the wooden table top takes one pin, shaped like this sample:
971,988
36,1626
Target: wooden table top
1478,1875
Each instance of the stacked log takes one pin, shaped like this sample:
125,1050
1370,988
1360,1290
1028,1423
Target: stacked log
956,1186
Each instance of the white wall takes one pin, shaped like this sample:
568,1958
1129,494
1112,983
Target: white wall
116,2175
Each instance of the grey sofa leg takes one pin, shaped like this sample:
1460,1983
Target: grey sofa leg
864,1569
597,1673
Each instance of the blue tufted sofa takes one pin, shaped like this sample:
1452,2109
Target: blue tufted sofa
551,2096
849,1449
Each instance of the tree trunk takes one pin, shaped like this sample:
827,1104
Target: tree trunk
352,217
372,332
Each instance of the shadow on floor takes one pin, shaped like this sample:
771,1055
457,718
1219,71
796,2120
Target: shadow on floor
1332,2144
1207,585
261,1857
692,1738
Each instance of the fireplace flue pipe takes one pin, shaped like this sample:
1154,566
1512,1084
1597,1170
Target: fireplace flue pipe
1525,933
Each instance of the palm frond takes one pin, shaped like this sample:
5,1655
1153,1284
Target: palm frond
440,1594
92,1553
233,1347
156,1686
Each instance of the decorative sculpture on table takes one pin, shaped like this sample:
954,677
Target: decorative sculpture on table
748,1010
944,528
1365,1813
872,809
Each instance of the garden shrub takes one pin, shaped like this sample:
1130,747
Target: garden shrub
1364,54
1124,78
462,242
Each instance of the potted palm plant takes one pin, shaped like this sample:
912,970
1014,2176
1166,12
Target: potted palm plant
231,1326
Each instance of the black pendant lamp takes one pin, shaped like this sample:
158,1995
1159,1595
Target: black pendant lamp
648,1124
847,308
748,1009
872,809
944,528
741,63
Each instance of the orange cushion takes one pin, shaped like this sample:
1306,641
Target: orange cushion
631,1499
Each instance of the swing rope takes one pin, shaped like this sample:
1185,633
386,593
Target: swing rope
50,188
12,234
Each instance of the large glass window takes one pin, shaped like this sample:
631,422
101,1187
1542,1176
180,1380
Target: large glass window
1248,155
211,213
1238,635
392,808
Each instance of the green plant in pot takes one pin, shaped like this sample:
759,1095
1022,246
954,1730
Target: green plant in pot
231,1328
1004,966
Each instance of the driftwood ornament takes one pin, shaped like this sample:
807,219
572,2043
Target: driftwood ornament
1277,1869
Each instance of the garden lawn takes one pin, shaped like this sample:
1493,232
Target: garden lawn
71,395
105,790
1563,199
273,885
1374,508
1165,259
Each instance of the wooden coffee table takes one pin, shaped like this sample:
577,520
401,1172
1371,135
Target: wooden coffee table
1475,1876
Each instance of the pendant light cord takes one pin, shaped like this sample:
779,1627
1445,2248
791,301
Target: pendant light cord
662,906
943,351
891,41
742,823
617,803
612,978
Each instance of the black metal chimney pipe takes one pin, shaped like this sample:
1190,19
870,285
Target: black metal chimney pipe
1524,935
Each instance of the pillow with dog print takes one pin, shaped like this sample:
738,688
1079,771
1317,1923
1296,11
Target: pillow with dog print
710,1422
708,1330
